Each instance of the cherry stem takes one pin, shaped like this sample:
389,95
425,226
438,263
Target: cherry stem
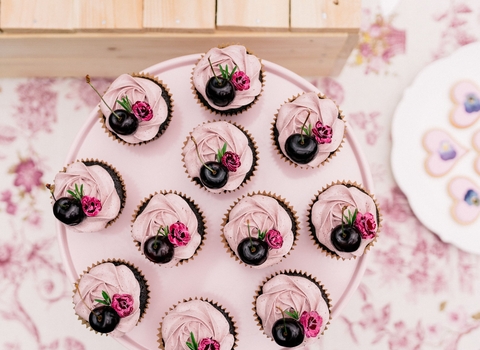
303,126
201,160
50,188
284,322
87,78
98,316
252,248
343,210
216,78
156,236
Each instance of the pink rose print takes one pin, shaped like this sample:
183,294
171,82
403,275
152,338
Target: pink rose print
91,206
366,224
142,111
322,133
179,235
122,304
208,344
240,81
27,175
311,322
231,161
274,239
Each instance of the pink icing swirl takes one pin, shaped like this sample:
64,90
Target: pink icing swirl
113,280
292,115
210,137
165,210
286,292
265,213
231,55
96,183
200,318
326,214
137,89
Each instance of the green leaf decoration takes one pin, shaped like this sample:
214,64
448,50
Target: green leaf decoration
221,152
293,314
106,297
225,74
78,193
307,131
193,344
350,219
125,103
261,234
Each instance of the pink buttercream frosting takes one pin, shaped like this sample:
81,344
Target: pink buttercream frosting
326,214
287,292
97,183
165,210
265,213
137,89
231,55
210,137
292,115
200,318
113,280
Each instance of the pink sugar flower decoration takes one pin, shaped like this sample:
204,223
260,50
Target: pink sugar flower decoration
179,235
208,344
91,206
142,111
240,81
122,304
231,161
274,239
322,133
311,322
366,224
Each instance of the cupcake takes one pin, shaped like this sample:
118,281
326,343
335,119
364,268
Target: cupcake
344,220
111,297
168,228
228,80
143,109
260,229
308,130
219,156
292,308
199,322
89,195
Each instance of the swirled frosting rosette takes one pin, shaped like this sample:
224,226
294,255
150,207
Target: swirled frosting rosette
292,294
344,220
150,102
265,218
169,210
102,195
123,285
247,79
204,320
209,139
316,121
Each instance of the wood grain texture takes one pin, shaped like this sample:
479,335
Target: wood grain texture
271,15
312,15
37,15
179,15
109,15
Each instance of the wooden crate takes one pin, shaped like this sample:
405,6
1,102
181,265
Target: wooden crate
111,37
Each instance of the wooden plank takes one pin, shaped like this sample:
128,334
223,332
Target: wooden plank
312,15
271,15
109,15
36,15
179,15
111,54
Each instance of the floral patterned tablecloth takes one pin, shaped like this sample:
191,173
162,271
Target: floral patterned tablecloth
417,292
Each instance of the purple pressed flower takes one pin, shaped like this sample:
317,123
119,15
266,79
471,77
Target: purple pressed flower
208,344
240,81
27,175
311,322
179,235
322,133
91,206
366,224
142,111
231,161
122,304
274,239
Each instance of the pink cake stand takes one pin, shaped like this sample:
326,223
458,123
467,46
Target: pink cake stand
213,273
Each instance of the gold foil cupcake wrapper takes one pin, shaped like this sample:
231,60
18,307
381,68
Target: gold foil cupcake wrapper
143,204
290,211
250,173
311,229
217,306
288,160
163,126
119,262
